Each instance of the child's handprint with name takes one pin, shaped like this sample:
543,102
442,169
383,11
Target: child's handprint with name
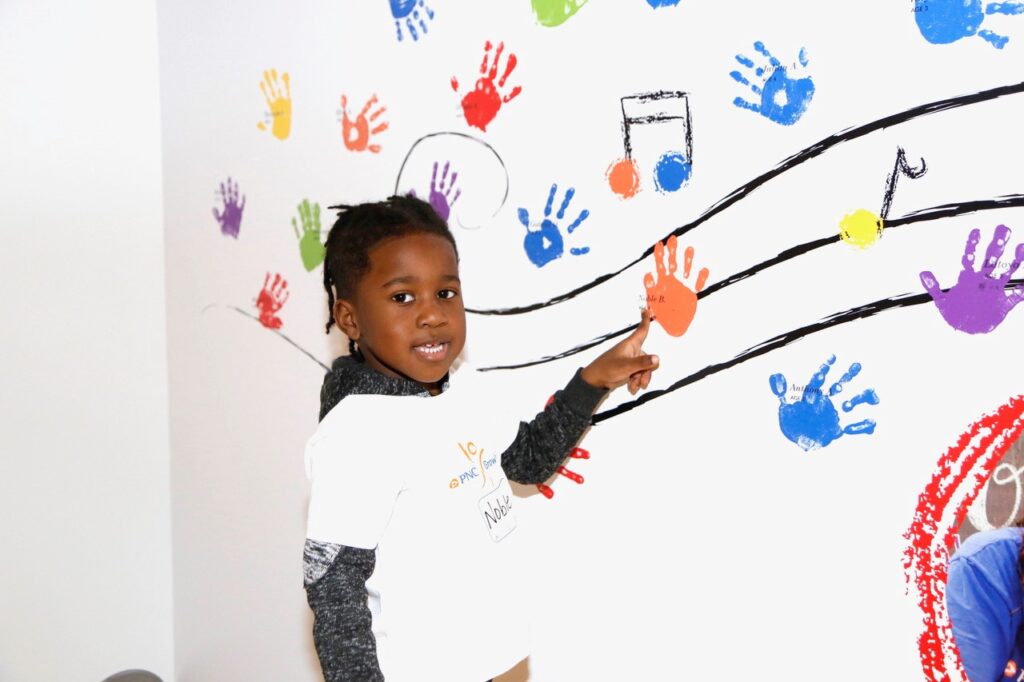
546,244
979,302
230,218
357,133
441,198
555,12
782,98
271,298
672,302
310,247
812,421
481,104
279,103
946,21
412,11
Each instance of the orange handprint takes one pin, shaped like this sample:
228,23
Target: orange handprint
279,102
357,133
672,302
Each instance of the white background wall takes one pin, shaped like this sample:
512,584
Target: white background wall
85,578
85,507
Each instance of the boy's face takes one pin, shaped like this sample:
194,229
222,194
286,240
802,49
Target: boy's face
407,314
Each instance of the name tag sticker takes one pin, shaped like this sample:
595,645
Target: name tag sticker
496,510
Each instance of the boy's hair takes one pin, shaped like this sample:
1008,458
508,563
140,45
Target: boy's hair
361,227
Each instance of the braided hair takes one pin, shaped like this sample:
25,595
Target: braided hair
358,229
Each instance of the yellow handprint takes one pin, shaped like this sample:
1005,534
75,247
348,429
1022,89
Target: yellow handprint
279,102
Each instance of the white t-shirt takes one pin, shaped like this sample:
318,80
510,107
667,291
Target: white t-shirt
420,481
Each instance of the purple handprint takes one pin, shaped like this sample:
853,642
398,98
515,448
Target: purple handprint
440,196
230,218
978,302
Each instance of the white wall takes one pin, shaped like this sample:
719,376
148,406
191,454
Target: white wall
85,580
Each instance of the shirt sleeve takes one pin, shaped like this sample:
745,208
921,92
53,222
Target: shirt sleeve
354,489
544,442
980,616
335,582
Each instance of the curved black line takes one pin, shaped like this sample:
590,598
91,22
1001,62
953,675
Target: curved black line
774,343
501,162
933,213
800,157
257,320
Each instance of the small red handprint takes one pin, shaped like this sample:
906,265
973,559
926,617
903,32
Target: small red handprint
271,298
481,105
357,133
672,302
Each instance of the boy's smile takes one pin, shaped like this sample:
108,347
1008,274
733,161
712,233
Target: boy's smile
407,313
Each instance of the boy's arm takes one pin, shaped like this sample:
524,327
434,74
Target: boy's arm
335,582
543,443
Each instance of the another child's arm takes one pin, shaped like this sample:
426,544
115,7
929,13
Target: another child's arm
543,443
335,582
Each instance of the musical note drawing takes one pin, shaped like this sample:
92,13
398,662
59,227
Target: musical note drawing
862,228
674,167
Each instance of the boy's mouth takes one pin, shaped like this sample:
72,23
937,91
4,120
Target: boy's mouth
434,351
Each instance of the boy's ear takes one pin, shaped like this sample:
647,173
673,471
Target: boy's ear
345,318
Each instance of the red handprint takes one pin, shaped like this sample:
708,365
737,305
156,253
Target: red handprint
271,298
672,302
481,105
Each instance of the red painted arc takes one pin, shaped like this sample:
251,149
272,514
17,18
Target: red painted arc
926,555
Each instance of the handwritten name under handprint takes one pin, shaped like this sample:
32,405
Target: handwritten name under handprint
979,302
673,303
271,299
481,104
230,218
311,249
812,421
279,104
357,132
946,21
781,97
441,199
411,11
546,244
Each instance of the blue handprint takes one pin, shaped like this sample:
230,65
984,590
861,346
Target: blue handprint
946,21
401,9
812,422
783,99
545,245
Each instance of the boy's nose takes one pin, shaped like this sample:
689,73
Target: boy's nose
431,314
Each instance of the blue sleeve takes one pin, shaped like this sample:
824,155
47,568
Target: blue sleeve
981,619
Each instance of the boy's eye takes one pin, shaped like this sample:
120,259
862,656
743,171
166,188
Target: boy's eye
447,293
402,297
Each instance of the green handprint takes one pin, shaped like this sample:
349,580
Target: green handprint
555,12
310,247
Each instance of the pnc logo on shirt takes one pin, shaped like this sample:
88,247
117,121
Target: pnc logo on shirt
1011,669
475,455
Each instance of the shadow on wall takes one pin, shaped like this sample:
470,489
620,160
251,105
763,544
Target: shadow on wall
133,676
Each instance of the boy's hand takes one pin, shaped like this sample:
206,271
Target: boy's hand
625,362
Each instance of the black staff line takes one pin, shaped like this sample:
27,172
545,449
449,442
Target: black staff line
922,215
282,335
774,343
800,157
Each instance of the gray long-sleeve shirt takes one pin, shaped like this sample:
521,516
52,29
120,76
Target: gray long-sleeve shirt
335,575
